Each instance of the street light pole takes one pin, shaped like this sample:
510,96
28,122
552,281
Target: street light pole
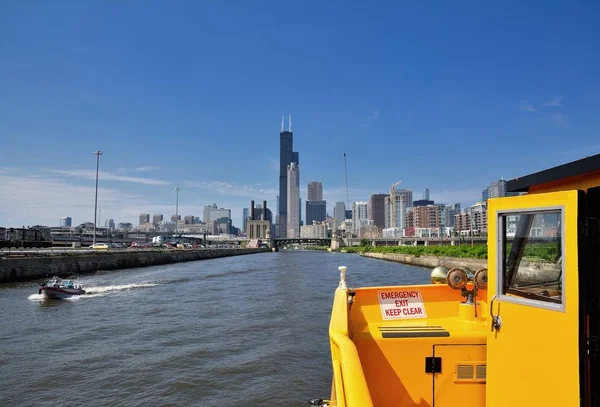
97,153
177,210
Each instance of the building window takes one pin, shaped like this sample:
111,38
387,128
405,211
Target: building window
531,256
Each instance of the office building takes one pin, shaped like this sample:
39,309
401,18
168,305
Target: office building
359,215
156,219
315,192
144,218
109,224
188,220
245,215
65,222
293,201
423,202
395,209
175,218
206,212
376,210
426,194
316,211
286,157
339,213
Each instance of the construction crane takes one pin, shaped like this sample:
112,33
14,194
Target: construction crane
393,203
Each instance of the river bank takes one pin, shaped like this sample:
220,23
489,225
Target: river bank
429,261
33,268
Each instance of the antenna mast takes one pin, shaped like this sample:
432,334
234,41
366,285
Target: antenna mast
346,172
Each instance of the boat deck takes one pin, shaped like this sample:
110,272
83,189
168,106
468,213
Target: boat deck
396,354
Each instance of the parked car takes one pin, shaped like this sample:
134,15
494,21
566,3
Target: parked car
99,246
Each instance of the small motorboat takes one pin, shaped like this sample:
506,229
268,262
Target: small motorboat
60,289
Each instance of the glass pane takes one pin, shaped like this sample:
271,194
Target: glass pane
532,258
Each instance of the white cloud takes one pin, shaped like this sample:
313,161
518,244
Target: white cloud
560,119
29,200
556,102
253,191
91,175
146,169
528,108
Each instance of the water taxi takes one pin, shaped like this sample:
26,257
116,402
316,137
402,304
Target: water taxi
522,331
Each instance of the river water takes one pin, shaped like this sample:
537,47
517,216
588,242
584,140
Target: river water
239,331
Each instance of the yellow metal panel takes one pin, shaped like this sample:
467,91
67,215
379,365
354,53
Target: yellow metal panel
533,359
450,392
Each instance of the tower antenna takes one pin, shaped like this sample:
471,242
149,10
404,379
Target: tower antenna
282,123
346,172
290,124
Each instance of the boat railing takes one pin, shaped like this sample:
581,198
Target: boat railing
351,388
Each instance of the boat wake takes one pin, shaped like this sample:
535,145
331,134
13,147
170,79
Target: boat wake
101,290
98,291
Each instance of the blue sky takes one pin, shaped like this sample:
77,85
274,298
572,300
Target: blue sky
449,96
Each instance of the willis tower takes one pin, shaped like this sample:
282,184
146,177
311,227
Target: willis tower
286,157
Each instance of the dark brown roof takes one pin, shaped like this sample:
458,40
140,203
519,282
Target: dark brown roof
583,166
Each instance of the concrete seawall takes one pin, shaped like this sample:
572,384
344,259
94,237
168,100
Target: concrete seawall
430,261
32,268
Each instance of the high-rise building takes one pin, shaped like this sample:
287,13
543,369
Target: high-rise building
293,201
316,211
426,194
315,192
484,195
359,215
339,212
218,213
376,210
206,213
109,224
245,215
451,211
144,218
496,189
188,220
286,157
65,222
397,209
348,213
175,218
156,219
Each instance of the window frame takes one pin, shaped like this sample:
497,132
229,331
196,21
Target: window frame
500,261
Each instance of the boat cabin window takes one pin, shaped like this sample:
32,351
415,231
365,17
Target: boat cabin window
531,256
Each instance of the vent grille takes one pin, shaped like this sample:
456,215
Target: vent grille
480,372
470,372
464,372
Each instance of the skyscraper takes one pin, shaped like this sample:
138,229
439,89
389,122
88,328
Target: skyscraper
293,201
426,194
65,222
245,215
156,219
315,191
144,218
286,157
339,212
315,211
376,209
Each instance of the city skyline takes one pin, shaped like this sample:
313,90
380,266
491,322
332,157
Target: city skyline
430,110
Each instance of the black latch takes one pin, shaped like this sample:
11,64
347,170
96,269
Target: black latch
593,346
433,364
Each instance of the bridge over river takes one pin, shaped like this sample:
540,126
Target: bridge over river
280,242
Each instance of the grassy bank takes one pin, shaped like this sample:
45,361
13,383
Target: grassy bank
478,251
535,252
